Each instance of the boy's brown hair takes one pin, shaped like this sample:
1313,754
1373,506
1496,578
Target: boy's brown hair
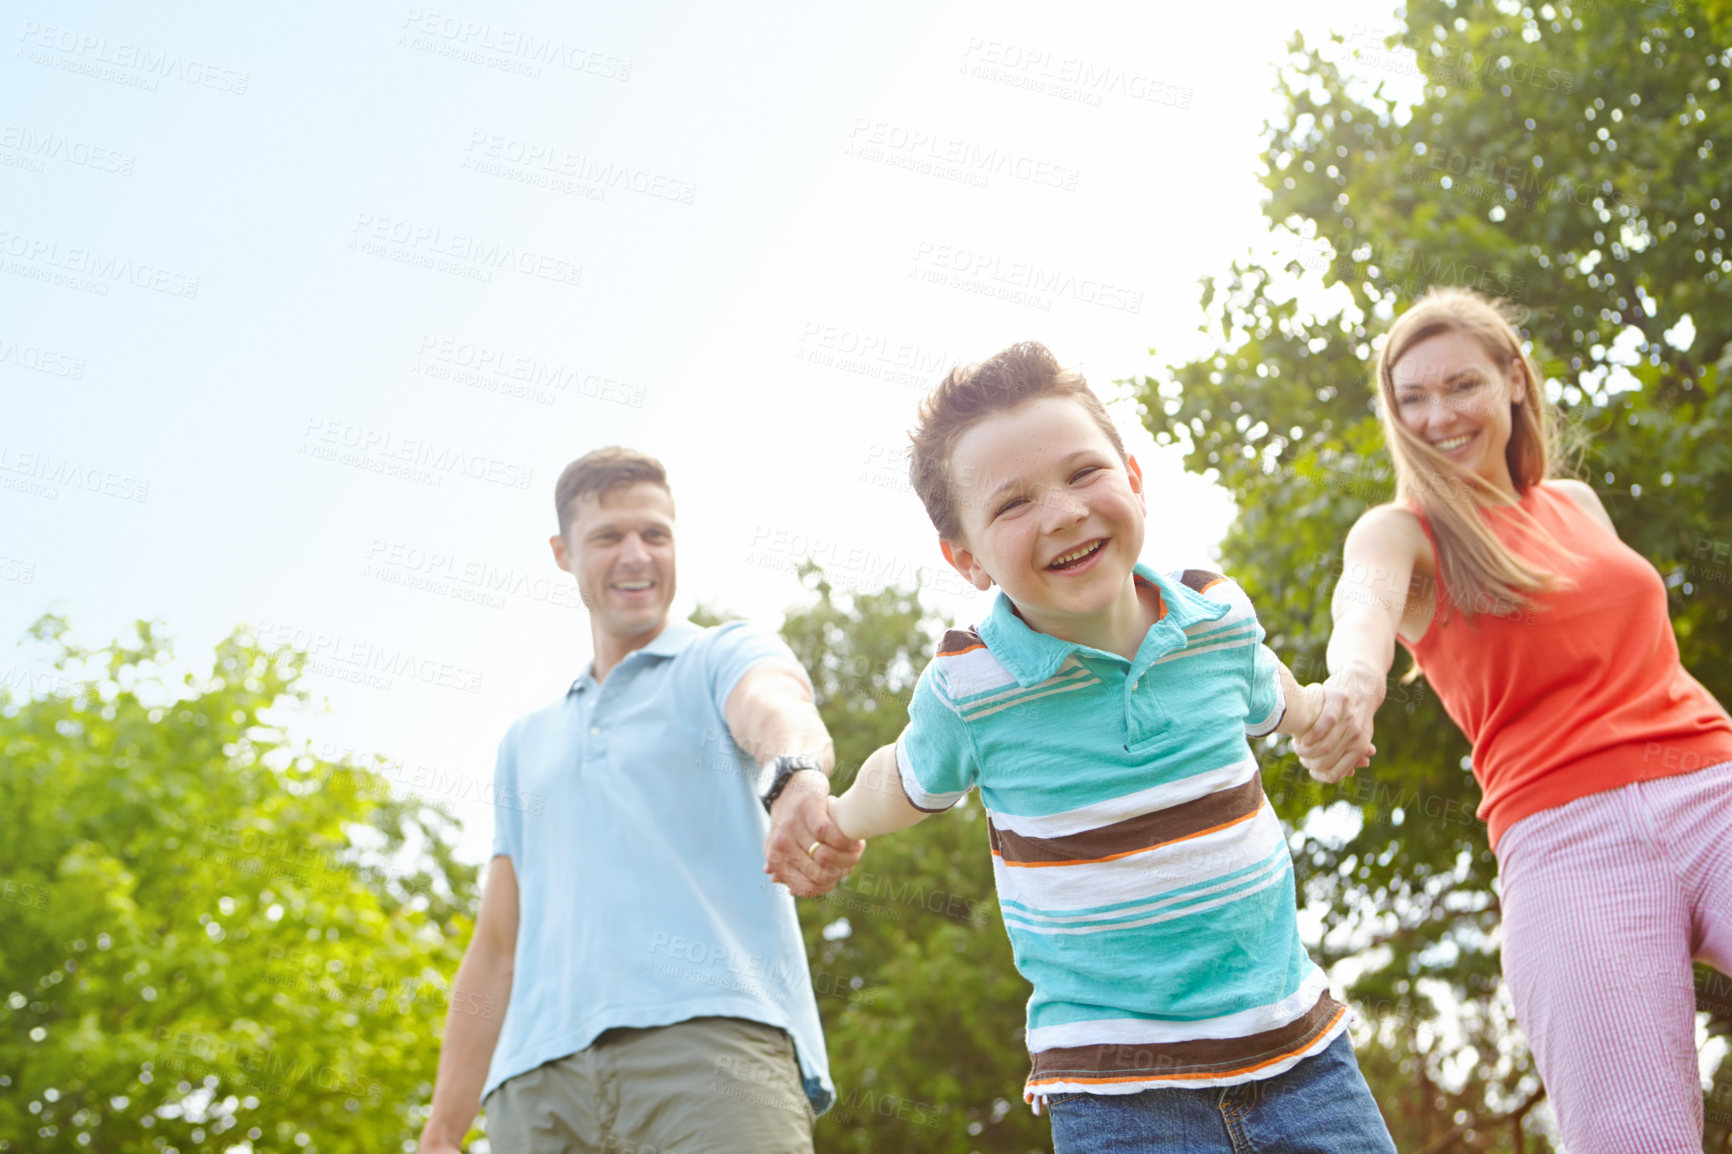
971,393
599,473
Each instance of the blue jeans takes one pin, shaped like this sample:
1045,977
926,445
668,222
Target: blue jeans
1320,1106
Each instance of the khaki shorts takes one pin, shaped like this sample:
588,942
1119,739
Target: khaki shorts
703,1086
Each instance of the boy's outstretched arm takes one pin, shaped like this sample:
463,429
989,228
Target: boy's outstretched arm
1303,705
875,803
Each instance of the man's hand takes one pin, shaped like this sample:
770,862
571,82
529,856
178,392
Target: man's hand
798,818
1339,741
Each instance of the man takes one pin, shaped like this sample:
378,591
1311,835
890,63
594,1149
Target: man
654,980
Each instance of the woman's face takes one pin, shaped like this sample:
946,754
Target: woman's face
1451,394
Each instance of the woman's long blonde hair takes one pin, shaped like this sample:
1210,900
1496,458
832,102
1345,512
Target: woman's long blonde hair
1479,572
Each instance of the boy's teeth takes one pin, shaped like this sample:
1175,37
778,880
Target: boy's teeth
1078,555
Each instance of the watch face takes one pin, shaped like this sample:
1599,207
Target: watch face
766,778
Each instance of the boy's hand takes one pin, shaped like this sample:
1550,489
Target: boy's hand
1339,740
800,821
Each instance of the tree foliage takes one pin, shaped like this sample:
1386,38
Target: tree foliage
209,937
1573,159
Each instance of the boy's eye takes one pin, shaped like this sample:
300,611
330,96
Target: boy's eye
1085,471
1009,505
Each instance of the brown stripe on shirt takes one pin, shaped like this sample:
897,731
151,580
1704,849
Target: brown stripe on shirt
1145,831
1189,1060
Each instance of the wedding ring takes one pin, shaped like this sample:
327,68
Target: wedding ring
812,850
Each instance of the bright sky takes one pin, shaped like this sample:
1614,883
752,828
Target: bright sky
304,310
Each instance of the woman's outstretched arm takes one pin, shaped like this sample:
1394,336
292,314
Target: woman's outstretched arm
1370,598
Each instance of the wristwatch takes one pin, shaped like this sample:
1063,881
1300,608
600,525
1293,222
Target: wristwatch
774,778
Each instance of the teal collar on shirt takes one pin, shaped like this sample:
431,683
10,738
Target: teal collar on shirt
1032,657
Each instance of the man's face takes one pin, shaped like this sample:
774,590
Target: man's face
620,547
1049,512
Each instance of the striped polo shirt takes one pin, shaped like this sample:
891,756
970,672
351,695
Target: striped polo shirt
1144,878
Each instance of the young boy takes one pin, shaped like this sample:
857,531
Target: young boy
1103,709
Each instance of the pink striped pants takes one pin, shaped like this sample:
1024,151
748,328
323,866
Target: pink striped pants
1606,900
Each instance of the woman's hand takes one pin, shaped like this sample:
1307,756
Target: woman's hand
1339,741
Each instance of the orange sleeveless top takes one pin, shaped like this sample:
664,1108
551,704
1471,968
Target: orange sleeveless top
1582,693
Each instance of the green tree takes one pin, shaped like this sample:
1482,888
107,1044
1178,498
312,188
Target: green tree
923,1008
209,936
1563,156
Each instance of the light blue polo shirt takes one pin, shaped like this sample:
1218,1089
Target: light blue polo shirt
632,821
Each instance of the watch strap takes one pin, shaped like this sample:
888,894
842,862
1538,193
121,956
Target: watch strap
778,771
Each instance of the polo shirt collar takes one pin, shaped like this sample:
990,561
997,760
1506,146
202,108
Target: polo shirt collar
1032,656
673,638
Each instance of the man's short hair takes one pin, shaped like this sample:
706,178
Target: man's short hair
598,473
971,393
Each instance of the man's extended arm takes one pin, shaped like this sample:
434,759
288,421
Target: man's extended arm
770,713
479,995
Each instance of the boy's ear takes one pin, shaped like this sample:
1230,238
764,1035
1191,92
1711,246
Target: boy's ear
964,563
561,555
1136,475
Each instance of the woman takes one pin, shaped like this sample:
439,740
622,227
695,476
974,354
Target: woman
1606,768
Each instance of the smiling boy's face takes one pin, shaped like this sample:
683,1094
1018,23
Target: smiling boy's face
1049,512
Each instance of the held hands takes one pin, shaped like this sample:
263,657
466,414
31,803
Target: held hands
799,820
1339,740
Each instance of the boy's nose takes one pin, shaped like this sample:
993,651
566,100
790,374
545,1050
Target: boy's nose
1060,509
